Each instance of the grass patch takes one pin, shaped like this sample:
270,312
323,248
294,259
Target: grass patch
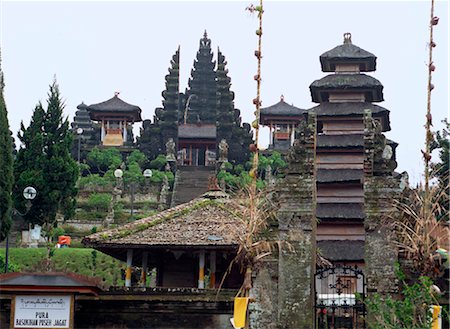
84,261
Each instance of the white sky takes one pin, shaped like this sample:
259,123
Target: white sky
97,48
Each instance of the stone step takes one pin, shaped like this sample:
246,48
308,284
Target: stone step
190,183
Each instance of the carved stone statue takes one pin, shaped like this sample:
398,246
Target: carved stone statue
223,151
170,150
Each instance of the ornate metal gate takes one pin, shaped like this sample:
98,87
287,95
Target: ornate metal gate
339,302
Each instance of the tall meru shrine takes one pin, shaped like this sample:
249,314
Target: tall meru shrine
335,190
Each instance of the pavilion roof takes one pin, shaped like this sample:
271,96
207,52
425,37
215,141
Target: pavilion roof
281,109
201,131
207,221
114,106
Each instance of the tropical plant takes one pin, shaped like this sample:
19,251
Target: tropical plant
256,211
411,311
419,231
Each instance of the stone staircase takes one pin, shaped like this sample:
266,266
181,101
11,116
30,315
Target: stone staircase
190,183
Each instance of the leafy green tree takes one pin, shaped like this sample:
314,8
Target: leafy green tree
101,160
138,157
6,167
44,162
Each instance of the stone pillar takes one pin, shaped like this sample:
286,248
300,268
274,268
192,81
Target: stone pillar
102,135
128,270
144,269
212,269
201,270
380,191
297,229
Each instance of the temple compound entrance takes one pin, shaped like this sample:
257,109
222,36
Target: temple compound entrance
196,145
339,300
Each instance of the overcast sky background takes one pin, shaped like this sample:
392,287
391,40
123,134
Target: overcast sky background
97,48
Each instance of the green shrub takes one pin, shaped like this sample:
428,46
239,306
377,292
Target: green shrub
99,201
95,180
159,163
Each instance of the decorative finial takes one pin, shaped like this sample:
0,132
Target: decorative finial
205,35
347,38
282,98
116,93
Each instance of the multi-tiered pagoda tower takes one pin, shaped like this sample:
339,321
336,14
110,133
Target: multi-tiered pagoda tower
343,97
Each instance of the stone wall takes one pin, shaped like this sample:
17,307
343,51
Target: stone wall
381,189
283,287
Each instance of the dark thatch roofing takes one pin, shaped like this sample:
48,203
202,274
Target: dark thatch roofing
57,280
344,83
82,106
352,109
281,109
202,222
340,141
339,175
202,131
348,53
117,106
342,250
340,211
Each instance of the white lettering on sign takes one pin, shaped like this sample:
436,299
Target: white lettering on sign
42,311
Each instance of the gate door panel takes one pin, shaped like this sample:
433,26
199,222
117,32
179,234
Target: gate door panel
339,302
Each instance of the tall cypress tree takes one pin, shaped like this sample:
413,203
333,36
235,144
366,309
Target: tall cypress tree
6,166
44,162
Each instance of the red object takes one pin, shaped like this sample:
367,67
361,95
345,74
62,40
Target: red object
252,148
64,239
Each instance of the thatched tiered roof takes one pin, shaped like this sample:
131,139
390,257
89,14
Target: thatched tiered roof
351,110
372,88
340,141
348,53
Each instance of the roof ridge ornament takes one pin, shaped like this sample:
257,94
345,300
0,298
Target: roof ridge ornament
282,98
347,38
116,93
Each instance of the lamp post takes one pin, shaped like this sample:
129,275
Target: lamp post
118,173
147,173
79,132
29,193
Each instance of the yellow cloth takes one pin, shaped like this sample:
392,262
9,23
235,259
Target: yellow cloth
436,324
240,311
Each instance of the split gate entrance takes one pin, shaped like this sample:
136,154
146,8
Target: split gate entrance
339,302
